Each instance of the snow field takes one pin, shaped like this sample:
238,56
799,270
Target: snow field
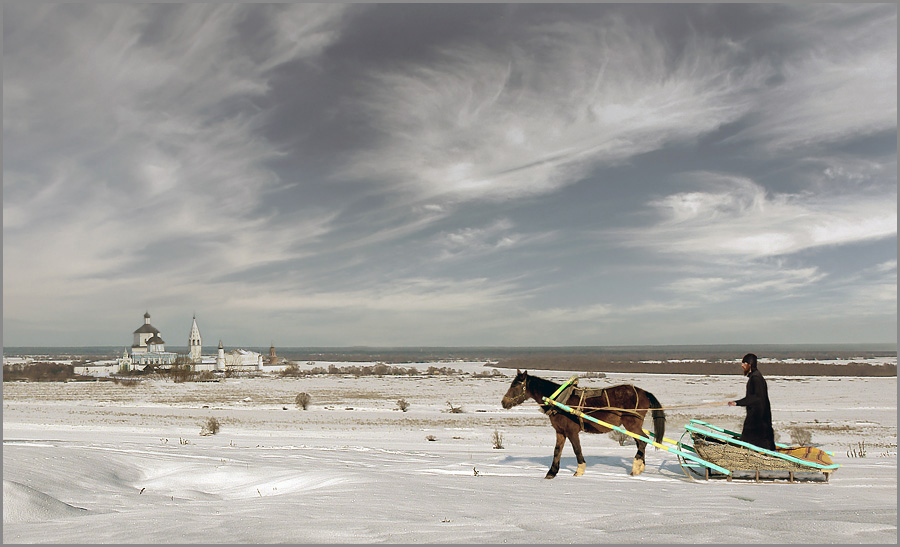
106,463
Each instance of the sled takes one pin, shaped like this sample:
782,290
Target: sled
725,449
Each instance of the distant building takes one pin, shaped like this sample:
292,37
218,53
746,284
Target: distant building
148,347
273,359
238,360
125,362
195,343
220,358
243,360
142,334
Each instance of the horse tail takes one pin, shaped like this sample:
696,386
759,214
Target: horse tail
659,417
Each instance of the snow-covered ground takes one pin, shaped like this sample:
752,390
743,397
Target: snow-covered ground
100,462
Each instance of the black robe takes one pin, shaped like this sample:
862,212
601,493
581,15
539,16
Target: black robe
758,423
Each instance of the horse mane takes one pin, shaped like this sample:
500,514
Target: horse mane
542,385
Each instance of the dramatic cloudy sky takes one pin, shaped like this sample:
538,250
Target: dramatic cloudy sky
450,174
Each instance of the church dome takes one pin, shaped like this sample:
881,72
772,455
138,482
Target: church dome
146,327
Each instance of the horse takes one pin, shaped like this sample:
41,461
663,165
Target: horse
622,405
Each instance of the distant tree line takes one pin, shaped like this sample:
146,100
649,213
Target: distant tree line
178,372
591,364
709,353
42,371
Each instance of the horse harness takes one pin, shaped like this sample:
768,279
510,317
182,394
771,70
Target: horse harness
587,393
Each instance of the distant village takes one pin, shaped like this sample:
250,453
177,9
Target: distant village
148,349
147,353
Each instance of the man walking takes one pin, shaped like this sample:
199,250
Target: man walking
758,423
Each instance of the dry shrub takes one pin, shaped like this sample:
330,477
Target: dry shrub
800,436
211,427
498,440
403,405
302,400
127,382
858,451
619,437
454,409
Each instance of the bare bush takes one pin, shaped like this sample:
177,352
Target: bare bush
858,451
430,438
800,436
302,400
619,437
211,427
403,405
129,382
442,371
180,374
454,409
498,440
487,374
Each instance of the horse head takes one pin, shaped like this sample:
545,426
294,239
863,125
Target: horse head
518,390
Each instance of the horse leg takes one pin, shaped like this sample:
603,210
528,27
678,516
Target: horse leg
557,452
637,467
576,446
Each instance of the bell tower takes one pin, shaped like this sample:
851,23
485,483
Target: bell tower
195,343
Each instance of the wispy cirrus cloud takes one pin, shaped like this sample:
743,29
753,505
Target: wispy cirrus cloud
830,90
767,279
737,218
136,122
398,295
536,115
472,242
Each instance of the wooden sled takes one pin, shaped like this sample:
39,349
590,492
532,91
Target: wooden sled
724,449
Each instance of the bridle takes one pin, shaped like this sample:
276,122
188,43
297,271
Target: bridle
519,399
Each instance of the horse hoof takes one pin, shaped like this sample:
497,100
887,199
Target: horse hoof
549,476
637,467
580,471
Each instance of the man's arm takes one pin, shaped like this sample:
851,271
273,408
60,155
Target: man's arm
753,389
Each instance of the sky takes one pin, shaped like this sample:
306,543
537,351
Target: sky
450,174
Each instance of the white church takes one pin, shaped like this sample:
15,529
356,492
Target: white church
149,348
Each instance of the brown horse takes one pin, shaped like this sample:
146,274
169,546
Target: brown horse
623,405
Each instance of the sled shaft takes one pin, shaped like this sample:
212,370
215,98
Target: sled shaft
666,440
